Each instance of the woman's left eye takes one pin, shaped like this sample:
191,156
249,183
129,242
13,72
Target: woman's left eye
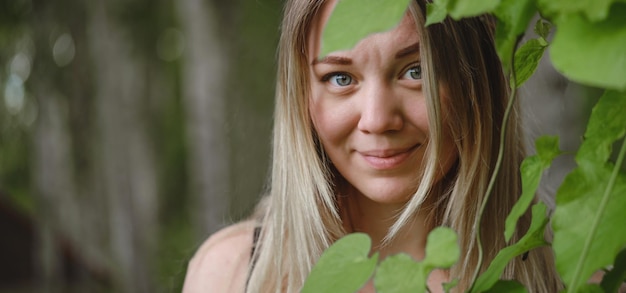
415,72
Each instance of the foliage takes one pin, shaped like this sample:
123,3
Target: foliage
344,267
400,273
351,15
594,191
531,169
532,239
588,48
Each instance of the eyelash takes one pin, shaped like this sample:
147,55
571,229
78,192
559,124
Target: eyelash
411,66
328,76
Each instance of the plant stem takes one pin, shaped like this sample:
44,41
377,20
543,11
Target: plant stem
596,221
494,174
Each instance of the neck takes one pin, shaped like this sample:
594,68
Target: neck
364,215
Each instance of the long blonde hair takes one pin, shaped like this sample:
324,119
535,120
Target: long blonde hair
302,216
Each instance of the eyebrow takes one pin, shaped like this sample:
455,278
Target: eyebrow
410,50
333,60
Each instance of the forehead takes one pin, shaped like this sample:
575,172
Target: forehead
405,33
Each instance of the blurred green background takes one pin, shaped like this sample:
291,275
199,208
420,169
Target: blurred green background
129,131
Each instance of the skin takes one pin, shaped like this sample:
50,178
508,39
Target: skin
221,264
370,114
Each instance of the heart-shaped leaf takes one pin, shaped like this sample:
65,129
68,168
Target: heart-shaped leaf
592,53
353,20
344,266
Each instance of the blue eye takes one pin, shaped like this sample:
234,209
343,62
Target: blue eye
414,72
338,79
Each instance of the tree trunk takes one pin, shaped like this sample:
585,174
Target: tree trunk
125,154
203,77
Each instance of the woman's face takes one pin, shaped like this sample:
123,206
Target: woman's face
369,110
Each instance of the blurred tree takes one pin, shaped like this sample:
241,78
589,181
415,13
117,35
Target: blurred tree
125,153
129,131
204,77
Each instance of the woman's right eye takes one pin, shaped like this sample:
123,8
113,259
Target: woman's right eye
338,79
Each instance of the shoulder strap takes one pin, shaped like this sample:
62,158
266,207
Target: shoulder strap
255,239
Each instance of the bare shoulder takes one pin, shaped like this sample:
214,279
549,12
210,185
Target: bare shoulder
221,263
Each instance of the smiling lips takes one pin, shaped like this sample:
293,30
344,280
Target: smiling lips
387,159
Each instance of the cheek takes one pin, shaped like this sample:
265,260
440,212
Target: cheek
421,117
417,114
332,121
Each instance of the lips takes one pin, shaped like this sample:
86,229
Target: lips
387,159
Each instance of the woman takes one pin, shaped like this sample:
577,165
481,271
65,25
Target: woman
392,138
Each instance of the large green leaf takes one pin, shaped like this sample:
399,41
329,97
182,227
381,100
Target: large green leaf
400,273
592,53
344,267
617,275
352,20
466,8
507,286
589,288
436,11
533,239
606,125
591,199
442,248
513,18
532,169
595,10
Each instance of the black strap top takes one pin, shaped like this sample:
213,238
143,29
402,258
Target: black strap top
255,239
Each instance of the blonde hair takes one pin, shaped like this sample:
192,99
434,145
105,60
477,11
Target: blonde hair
302,216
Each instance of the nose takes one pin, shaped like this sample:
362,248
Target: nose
381,109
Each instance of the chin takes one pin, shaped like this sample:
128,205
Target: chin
387,195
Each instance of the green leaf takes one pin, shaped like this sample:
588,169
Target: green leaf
513,18
436,11
352,20
606,125
532,168
442,248
589,288
344,266
617,275
542,28
399,274
527,59
508,286
466,8
591,199
592,53
532,239
578,204
594,10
